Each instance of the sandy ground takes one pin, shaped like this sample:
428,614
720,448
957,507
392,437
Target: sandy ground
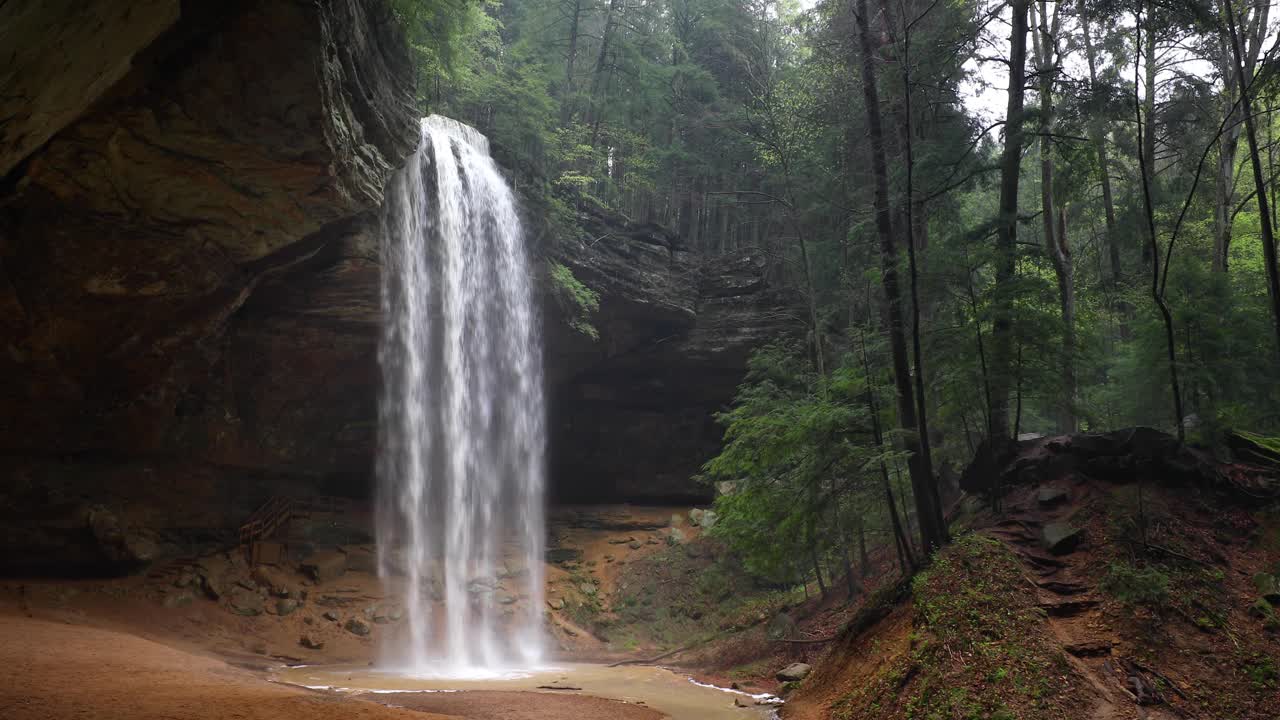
55,670
58,671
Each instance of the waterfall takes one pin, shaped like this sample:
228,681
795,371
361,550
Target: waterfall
461,418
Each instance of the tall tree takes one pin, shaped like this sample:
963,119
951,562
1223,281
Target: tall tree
1267,231
933,533
1007,226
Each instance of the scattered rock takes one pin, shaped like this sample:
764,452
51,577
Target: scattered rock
608,558
186,579
177,599
653,540
635,544
793,672
621,541
587,588
246,602
332,616
677,520
726,487
709,519
739,702
311,642
325,566
506,599
1049,496
395,614
555,603
286,606
356,626
695,516
309,620
1061,538
675,536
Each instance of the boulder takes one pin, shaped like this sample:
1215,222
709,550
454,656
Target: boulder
555,603
675,536
1060,538
245,602
695,516
635,544
356,626
708,520
1050,496
311,642
587,588
677,520
286,606
793,672
325,566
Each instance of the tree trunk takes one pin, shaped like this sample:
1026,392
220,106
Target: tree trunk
1157,288
1007,230
1148,130
932,531
1054,221
1267,230
571,59
1098,131
905,556
598,74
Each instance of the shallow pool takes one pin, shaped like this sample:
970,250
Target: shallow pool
668,692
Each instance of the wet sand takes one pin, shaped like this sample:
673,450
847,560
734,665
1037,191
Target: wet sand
56,670
668,693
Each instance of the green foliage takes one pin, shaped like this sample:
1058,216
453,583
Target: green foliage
1137,585
797,449
576,300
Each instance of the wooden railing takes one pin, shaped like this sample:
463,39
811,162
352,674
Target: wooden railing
265,521
277,511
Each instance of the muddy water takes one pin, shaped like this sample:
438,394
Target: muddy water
669,693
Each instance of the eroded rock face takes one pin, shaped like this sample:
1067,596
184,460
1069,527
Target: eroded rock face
163,174
632,414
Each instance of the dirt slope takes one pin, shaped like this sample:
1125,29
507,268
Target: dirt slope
1113,583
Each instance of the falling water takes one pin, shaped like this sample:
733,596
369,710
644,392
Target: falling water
460,516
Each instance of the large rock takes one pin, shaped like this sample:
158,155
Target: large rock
325,566
793,672
676,329
167,162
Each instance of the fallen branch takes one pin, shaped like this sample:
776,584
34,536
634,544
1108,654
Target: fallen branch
663,656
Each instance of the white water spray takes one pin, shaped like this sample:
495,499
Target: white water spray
461,420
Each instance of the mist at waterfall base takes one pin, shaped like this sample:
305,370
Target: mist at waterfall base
460,512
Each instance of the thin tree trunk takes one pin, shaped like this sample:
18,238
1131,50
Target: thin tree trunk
932,532
1054,221
570,60
1148,131
873,409
1098,131
1157,291
1007,230
1267,230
